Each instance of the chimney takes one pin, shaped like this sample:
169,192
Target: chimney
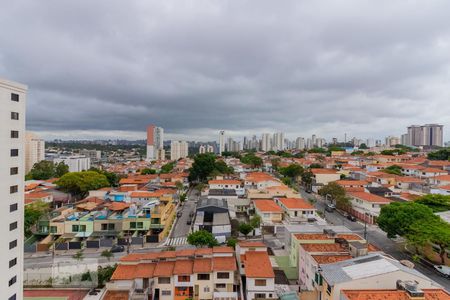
411,288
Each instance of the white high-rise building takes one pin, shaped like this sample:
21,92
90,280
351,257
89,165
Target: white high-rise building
155,139
300,143
178,149
206,149
266,143
278,141
34,150
391,141
76,163
221,142
12,174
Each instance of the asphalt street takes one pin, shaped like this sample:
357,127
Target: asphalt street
181,228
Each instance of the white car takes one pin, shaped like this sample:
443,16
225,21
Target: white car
444,270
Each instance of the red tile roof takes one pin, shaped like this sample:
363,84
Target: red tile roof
368,197
257,265
183,267
430,294
267,206
164,269
296,203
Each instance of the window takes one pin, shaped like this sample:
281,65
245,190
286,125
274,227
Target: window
13,297
164,280
12,226
53,229
12,262
12,244
184,278
260,282
14,171
13,207
203,277
223,275
15,97
261,296
14,152
165,293
78,228
328,289
12,281
221,285
14,115
13,189
106,226
14,134
206,289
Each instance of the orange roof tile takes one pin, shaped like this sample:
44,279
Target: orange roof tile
323,171
252,244
257,265
329,259
267,205
430,294
183,267
323,248
224,181
124,272
224,263
145,270
164,269
223,249
202,265
295,203
116,295
203,251
368,197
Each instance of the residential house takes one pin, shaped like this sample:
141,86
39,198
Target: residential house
268,210
296,209
213,216
366,206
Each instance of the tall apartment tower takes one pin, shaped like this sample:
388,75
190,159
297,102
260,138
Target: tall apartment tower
278,141
178,149
300,143
425,135
12,173
266,143
221,142
155,139
34,150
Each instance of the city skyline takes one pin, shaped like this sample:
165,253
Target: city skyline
326,79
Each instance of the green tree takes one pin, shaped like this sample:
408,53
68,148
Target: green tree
363,146
398,217
394,169
112,178
337,193
292,171
104,274
393,152
42,170
148,171
80,183
275,163
438,203
167,168
441,154
221,167
252,160
317,150
107,254
358,152
255,221
231,242
203,165
245,229
316,166
307,177
202,238
79,255
33,212
61,169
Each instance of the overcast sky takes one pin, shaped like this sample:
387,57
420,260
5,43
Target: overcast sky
107,69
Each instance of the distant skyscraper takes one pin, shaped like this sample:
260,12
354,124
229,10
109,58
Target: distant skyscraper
278,141
424,135
391,141
370,143
221,141
265,142
300,143
155,139
34,150
12,174
178,149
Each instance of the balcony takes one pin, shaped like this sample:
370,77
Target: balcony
229,295
140,294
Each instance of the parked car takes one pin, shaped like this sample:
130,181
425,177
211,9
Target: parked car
444,270
117,248
351,218
330,207
179,214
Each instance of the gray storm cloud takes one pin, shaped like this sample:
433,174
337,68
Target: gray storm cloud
103,68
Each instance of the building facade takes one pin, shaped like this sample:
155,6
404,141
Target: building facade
12,167
155,138
425,135
34,150
221,141
178,149
75,163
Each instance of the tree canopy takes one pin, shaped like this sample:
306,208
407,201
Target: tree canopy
441,154
167,168
202,238
45,169
393,152
148,171
33,212
252,160
205,165
245,228
80,183
113,178
292,171
437,203
337,193
394,169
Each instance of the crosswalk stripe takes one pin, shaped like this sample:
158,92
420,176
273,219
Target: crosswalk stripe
177,241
